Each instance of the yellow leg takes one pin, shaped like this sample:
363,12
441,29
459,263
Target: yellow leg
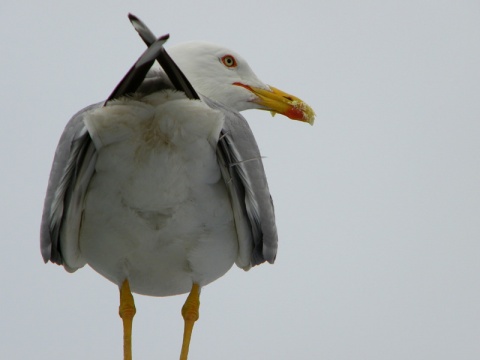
190,315
127,312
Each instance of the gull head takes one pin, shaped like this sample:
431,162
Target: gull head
224,76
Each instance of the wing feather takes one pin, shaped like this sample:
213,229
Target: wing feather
243,172
70,157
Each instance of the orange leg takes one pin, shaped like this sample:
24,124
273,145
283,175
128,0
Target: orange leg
190,315
127,312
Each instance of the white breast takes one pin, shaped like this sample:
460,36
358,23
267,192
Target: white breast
157,210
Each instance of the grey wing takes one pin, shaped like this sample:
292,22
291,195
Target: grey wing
72,168
243,172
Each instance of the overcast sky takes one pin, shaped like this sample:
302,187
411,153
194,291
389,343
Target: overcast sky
377,205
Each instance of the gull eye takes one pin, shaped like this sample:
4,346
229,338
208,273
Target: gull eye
229,61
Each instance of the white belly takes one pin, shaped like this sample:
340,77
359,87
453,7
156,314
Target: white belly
157,210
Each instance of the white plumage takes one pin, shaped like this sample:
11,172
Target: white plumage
157,210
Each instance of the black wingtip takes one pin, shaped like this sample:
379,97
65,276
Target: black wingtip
178,79
135,76
145,33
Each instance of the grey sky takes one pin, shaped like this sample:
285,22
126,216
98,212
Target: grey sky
377,205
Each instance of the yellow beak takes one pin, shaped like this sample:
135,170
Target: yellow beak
277,101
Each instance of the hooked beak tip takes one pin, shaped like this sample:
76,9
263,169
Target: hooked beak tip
279,102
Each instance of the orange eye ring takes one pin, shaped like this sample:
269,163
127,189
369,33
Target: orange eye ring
229,61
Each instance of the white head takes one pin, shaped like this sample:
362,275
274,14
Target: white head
224,76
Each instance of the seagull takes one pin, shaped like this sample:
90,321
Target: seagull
161,188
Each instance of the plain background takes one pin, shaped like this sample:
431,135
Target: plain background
377,205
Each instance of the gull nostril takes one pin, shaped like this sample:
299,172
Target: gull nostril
288,98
